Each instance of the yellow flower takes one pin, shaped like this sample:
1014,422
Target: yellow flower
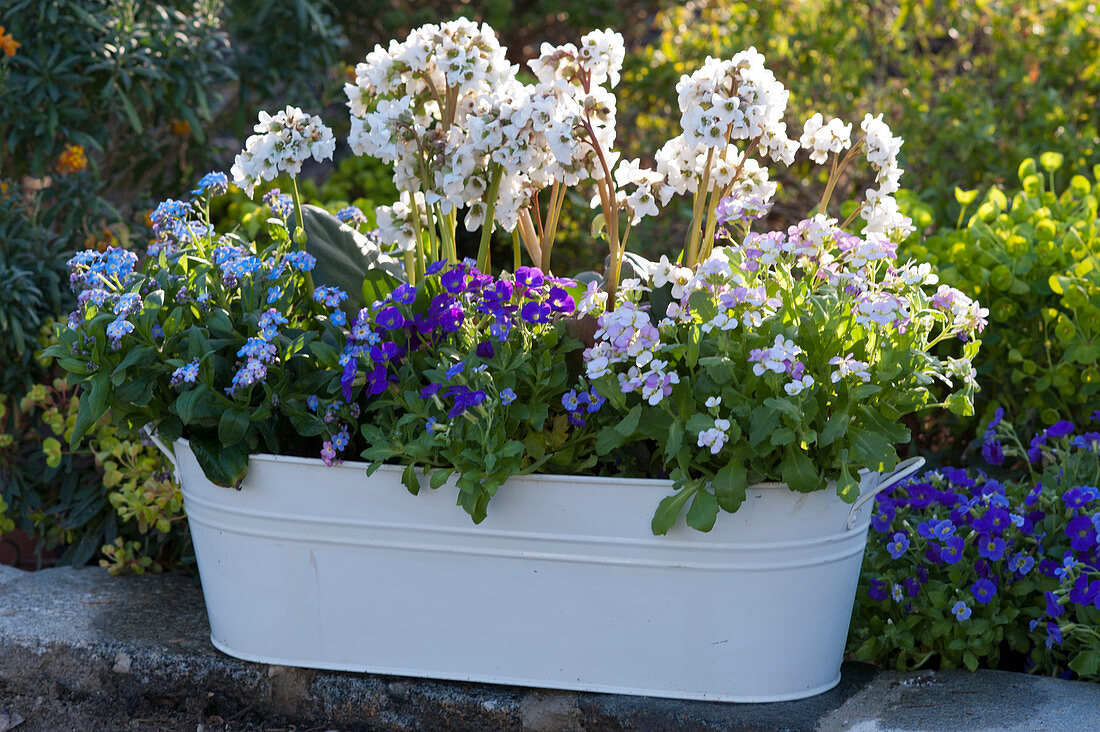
180,128
72,160
8,43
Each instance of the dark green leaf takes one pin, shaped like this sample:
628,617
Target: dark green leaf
408,478
669,509
729,486
222,465
703,511
233,425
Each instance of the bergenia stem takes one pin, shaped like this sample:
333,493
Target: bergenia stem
300,232
516,259
691,250
487,225
553,212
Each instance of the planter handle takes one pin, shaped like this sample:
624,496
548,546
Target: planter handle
903,470
164,450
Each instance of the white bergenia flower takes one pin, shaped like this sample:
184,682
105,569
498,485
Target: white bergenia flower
281,144
396,229
822,138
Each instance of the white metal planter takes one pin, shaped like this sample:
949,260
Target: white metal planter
562,586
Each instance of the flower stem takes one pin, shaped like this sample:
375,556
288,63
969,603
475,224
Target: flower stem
300,232
487,224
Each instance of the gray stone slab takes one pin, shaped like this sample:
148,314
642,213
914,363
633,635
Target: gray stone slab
948,701
81,650
9,573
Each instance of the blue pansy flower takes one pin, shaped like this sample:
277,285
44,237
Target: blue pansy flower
899,545
983,590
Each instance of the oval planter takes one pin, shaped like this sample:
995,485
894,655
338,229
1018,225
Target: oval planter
562,586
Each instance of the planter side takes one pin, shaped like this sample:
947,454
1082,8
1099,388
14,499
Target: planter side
562,586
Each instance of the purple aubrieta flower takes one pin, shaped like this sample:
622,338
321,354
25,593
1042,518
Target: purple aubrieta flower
897,592
1021,563
1054,608
535,312
454,280
404,294
529,277
595,401
569,401
961,611
983,590
455,369
991,547
952,550
431,425
390,318
560,301
1080,497
430,390
877,590
882,518
436,267
898,545
1054,635
1081,533
485,350
507,396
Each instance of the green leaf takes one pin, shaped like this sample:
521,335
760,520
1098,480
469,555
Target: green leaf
669,509
764,421
93,404
729,486
629,425
799,472
223,465
1086,664
700,423
233,425
970,660
835,427
782,436
439,477
135,356
345,257
607,440
703,511
408,478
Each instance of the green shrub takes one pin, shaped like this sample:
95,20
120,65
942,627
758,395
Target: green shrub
1033,258
521,25
963,570
111,496
34,284
971,87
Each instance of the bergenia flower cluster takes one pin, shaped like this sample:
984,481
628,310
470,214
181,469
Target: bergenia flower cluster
281,144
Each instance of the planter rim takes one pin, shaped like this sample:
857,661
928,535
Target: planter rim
544,477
